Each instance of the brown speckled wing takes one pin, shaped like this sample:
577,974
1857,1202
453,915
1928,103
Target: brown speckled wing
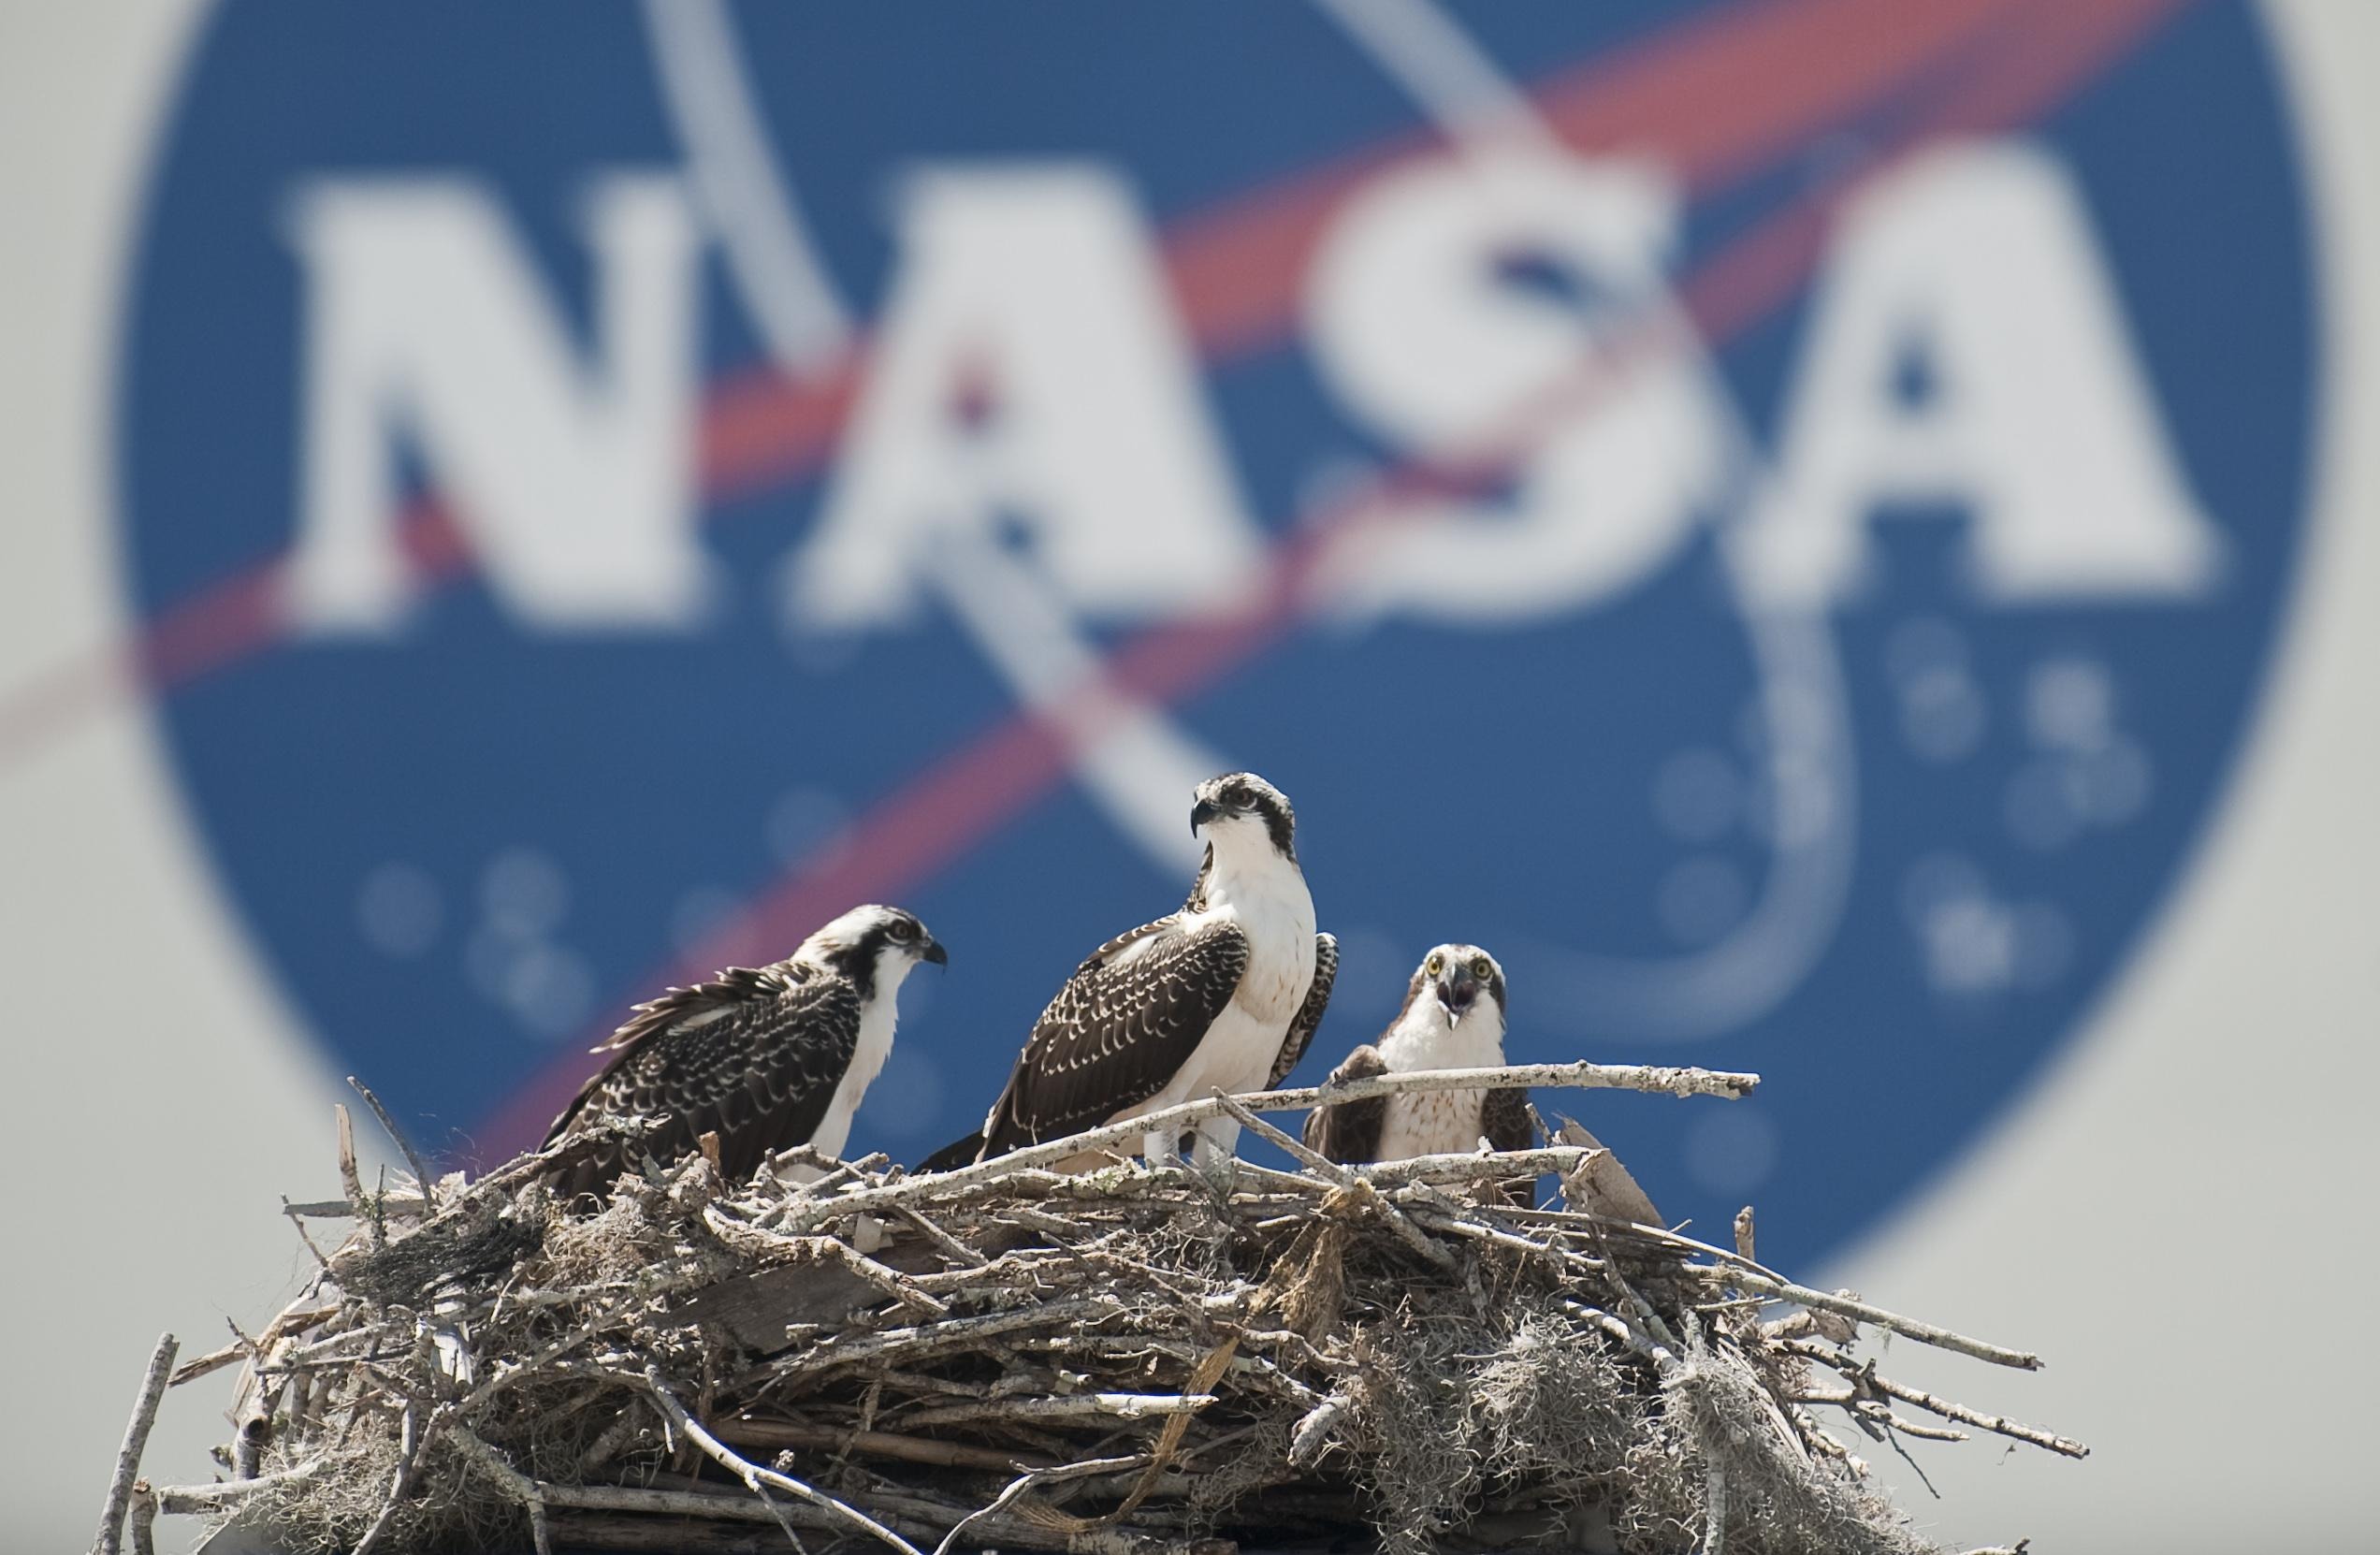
1349,1131
1302,1030
1117,1032
752,1056
1504,1118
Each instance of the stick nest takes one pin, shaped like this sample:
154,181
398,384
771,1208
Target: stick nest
1130,1359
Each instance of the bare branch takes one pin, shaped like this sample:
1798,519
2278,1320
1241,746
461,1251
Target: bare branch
1122,1406
1909,1328
205,1499
756,1479
519,1486
1129,1134
777,1434
136,1441
1999,1424
1027,1481
353,1181
1353,1190
397,1137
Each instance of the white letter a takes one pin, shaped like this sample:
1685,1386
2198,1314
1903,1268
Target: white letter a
2038,419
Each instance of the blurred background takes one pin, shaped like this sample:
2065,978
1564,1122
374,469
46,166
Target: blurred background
1830,536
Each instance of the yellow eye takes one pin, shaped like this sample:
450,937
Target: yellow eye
1435,965
1480,967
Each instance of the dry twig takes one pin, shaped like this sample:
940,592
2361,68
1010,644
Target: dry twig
144,1415
397,1137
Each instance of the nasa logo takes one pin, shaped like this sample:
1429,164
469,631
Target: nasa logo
1772,519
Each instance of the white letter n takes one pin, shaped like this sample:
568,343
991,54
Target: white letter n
573,483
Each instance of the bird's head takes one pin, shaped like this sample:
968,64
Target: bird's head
1240,806
1464,980
875,946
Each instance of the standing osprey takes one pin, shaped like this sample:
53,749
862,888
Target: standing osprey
766,1058
1453,1019
1222,995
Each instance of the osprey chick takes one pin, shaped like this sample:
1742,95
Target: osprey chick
1453,1019
767,1057
1222,995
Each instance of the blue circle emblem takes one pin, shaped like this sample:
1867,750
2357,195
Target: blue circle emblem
1771,519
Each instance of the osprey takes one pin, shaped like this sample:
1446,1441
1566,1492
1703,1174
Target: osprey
1222,995
767,1058
1453,1019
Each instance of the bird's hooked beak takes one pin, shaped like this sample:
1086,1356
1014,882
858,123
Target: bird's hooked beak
931,951
1202,812
1457,990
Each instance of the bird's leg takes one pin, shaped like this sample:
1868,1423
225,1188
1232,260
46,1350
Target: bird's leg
1157,1149
1215,1140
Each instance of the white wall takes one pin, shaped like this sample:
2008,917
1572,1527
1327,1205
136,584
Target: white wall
157,1095
2197,1166
2195,1158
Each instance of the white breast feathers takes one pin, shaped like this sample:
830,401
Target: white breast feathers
1272,906
876,1018
1436,1123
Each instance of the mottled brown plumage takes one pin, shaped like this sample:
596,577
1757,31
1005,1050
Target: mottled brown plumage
1116,1033
752,1054
1302,1030
758,1071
